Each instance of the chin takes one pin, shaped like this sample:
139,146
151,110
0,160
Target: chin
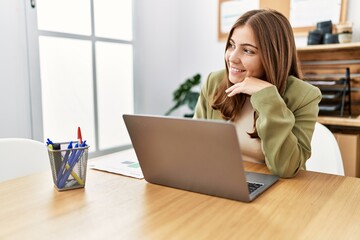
235,80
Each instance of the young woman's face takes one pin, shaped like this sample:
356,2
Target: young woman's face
242,55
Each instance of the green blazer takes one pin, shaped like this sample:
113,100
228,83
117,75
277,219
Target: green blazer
285,124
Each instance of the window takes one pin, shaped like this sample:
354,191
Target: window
86,67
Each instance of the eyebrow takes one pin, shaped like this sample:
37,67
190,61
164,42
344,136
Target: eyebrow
244,44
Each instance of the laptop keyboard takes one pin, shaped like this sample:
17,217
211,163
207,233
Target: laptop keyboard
253,186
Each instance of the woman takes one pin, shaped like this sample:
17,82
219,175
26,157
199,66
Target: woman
260,91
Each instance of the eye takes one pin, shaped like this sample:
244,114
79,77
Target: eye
231,45
248,51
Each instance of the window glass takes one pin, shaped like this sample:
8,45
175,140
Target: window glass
66,16
114,92
76,63
113,19
67,89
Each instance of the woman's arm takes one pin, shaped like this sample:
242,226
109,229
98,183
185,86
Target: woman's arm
285,127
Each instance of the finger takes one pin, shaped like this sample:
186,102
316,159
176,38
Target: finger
230,88
233,87
231,94
235,91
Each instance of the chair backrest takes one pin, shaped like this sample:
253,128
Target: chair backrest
325,152
20,157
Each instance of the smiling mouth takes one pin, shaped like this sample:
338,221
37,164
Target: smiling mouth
236,70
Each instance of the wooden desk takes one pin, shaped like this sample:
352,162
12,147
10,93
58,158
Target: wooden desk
310,206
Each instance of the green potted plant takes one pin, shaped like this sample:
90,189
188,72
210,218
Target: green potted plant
186,95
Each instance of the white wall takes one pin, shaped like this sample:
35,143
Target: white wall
354,17
156,53
173,41
15,105
200,51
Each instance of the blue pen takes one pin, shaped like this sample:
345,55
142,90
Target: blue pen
74,155
62,168
78,155
49,142
73,159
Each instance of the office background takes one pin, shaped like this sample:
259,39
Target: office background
173,40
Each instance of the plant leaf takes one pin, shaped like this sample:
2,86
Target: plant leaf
184,95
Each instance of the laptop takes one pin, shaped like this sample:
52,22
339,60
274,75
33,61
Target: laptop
201,156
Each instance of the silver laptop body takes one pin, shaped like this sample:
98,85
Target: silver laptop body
201,156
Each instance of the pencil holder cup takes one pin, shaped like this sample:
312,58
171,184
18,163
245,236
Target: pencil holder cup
68,165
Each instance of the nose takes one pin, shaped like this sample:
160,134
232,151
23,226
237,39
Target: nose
234,56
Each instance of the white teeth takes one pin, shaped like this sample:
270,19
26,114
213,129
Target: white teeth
237,70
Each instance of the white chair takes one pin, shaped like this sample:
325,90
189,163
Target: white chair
325,152
20,157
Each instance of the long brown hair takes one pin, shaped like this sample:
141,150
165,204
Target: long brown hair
277,51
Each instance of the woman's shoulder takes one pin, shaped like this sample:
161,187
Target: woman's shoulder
295,84
214,79
298,89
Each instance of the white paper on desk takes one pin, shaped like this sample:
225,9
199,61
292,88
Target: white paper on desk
124,163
